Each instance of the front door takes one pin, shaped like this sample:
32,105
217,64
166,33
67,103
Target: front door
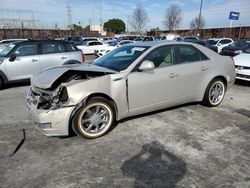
25,64
154,89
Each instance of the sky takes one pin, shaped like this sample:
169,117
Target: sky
51,12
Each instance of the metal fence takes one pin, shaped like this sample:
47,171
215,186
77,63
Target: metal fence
42,33
235,33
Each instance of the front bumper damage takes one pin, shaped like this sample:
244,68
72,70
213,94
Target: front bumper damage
53,121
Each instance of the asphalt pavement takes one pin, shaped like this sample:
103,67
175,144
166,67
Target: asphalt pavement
186,146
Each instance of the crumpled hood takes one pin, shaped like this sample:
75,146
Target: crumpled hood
47,77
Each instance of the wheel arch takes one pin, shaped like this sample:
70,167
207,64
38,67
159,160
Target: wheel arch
3,77
70,62
223,78
105,96
84,102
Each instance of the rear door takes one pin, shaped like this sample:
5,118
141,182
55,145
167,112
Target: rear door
26,62
193,67
52,54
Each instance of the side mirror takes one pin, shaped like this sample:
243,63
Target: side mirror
146,66
12,57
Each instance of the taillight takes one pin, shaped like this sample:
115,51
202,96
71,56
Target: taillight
83,57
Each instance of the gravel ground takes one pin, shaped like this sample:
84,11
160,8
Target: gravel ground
186,146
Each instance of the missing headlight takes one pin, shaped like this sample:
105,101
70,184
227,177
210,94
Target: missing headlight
63,95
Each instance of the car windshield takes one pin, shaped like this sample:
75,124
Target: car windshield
212,42
120,58
7,49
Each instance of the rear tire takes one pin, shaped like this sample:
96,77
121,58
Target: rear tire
215,93
94,119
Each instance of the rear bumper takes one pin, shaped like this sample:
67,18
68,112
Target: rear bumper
53,122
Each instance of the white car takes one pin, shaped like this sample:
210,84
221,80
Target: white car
101,51
91,46
242,65
169,36
219,43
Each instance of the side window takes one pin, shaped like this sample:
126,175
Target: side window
26,50
91,43
161,57
50,48
225,41
163,38
98,43
70,47
188,54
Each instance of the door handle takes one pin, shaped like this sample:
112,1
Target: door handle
34,60
204,68
63,57
173,75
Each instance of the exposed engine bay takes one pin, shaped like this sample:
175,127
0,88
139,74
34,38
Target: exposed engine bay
56,96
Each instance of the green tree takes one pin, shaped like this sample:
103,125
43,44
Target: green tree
115,25
77,27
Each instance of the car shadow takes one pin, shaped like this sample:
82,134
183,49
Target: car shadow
242,82
116,123
156,112
153,166
15,85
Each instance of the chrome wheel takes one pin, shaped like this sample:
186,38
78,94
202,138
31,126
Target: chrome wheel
95,119
216,92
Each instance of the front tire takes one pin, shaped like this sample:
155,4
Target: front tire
1,83
94,119
215,93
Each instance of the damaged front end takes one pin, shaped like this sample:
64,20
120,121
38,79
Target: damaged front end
48,100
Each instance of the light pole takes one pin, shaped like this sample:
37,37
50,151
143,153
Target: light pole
199,22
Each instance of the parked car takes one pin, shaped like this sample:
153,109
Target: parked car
91,46
169,36
201,42
130,80
148,38
216,44
78,40
186,39
236,48
242,65
105,49
105,39
19,60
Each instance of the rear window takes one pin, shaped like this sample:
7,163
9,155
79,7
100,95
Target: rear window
70,47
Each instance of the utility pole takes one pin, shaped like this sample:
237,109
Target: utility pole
199,24
101,30
128,24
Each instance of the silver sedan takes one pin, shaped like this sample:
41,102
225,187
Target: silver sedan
130,80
